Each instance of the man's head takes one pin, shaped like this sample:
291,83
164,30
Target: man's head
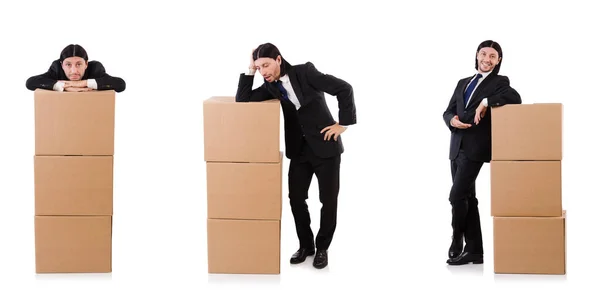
488,57
268,62
73,60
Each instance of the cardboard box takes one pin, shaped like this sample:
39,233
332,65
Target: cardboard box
243,246
526,188
241,132
71,123
73,244
527,132
244,190
73,185
530,245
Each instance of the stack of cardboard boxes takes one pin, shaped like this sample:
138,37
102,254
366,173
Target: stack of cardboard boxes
244,193
526,189
73,179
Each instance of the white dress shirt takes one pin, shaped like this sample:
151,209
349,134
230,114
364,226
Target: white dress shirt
287,85
483,75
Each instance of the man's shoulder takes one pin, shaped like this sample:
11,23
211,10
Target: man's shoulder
304,66
56,63
95,69
94,64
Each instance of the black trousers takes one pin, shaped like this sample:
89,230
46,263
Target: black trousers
327,170
465,211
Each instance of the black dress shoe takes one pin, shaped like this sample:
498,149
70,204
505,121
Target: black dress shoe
320,260
466,258
300,255
456,247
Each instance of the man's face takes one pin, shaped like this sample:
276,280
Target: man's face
269,68
74,68
487,59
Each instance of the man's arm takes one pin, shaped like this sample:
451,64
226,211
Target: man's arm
101,81
246,94
504,94
451,111
47,80
337,87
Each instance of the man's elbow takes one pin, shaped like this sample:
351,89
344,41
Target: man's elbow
30,84
120,85
348,89
239,98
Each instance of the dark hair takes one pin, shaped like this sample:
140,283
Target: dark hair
496,46
73,50
268,50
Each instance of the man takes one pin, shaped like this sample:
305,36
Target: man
73,73
312,138
469,121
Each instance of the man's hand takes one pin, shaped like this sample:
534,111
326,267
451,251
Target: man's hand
455,122
252,66
72,89
76,84
480,113
333,130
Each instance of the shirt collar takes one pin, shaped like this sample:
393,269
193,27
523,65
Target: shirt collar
483,75
285,78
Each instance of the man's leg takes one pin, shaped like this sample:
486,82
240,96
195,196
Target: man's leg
299,178
464,181
328,175
473,234
456,247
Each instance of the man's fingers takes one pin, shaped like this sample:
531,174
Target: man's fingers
326,129
463,125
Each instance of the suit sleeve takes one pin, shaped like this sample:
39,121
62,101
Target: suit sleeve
106,81
43,81
246,94
504,94
451,111
337,87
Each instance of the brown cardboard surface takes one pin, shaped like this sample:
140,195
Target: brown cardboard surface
71,123
530,245
243,246
527,132
241,132
244,190
526,188
73,185
73,244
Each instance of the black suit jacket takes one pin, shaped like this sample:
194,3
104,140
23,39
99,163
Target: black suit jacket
477,140
95,70
309,86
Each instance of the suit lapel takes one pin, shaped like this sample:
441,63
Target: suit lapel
460,108
475,97
273,89
295,84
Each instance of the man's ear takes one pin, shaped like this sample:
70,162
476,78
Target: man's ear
278,60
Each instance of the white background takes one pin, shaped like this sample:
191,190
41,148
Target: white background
403,61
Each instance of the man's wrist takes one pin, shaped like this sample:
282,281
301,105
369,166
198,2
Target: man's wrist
59,86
